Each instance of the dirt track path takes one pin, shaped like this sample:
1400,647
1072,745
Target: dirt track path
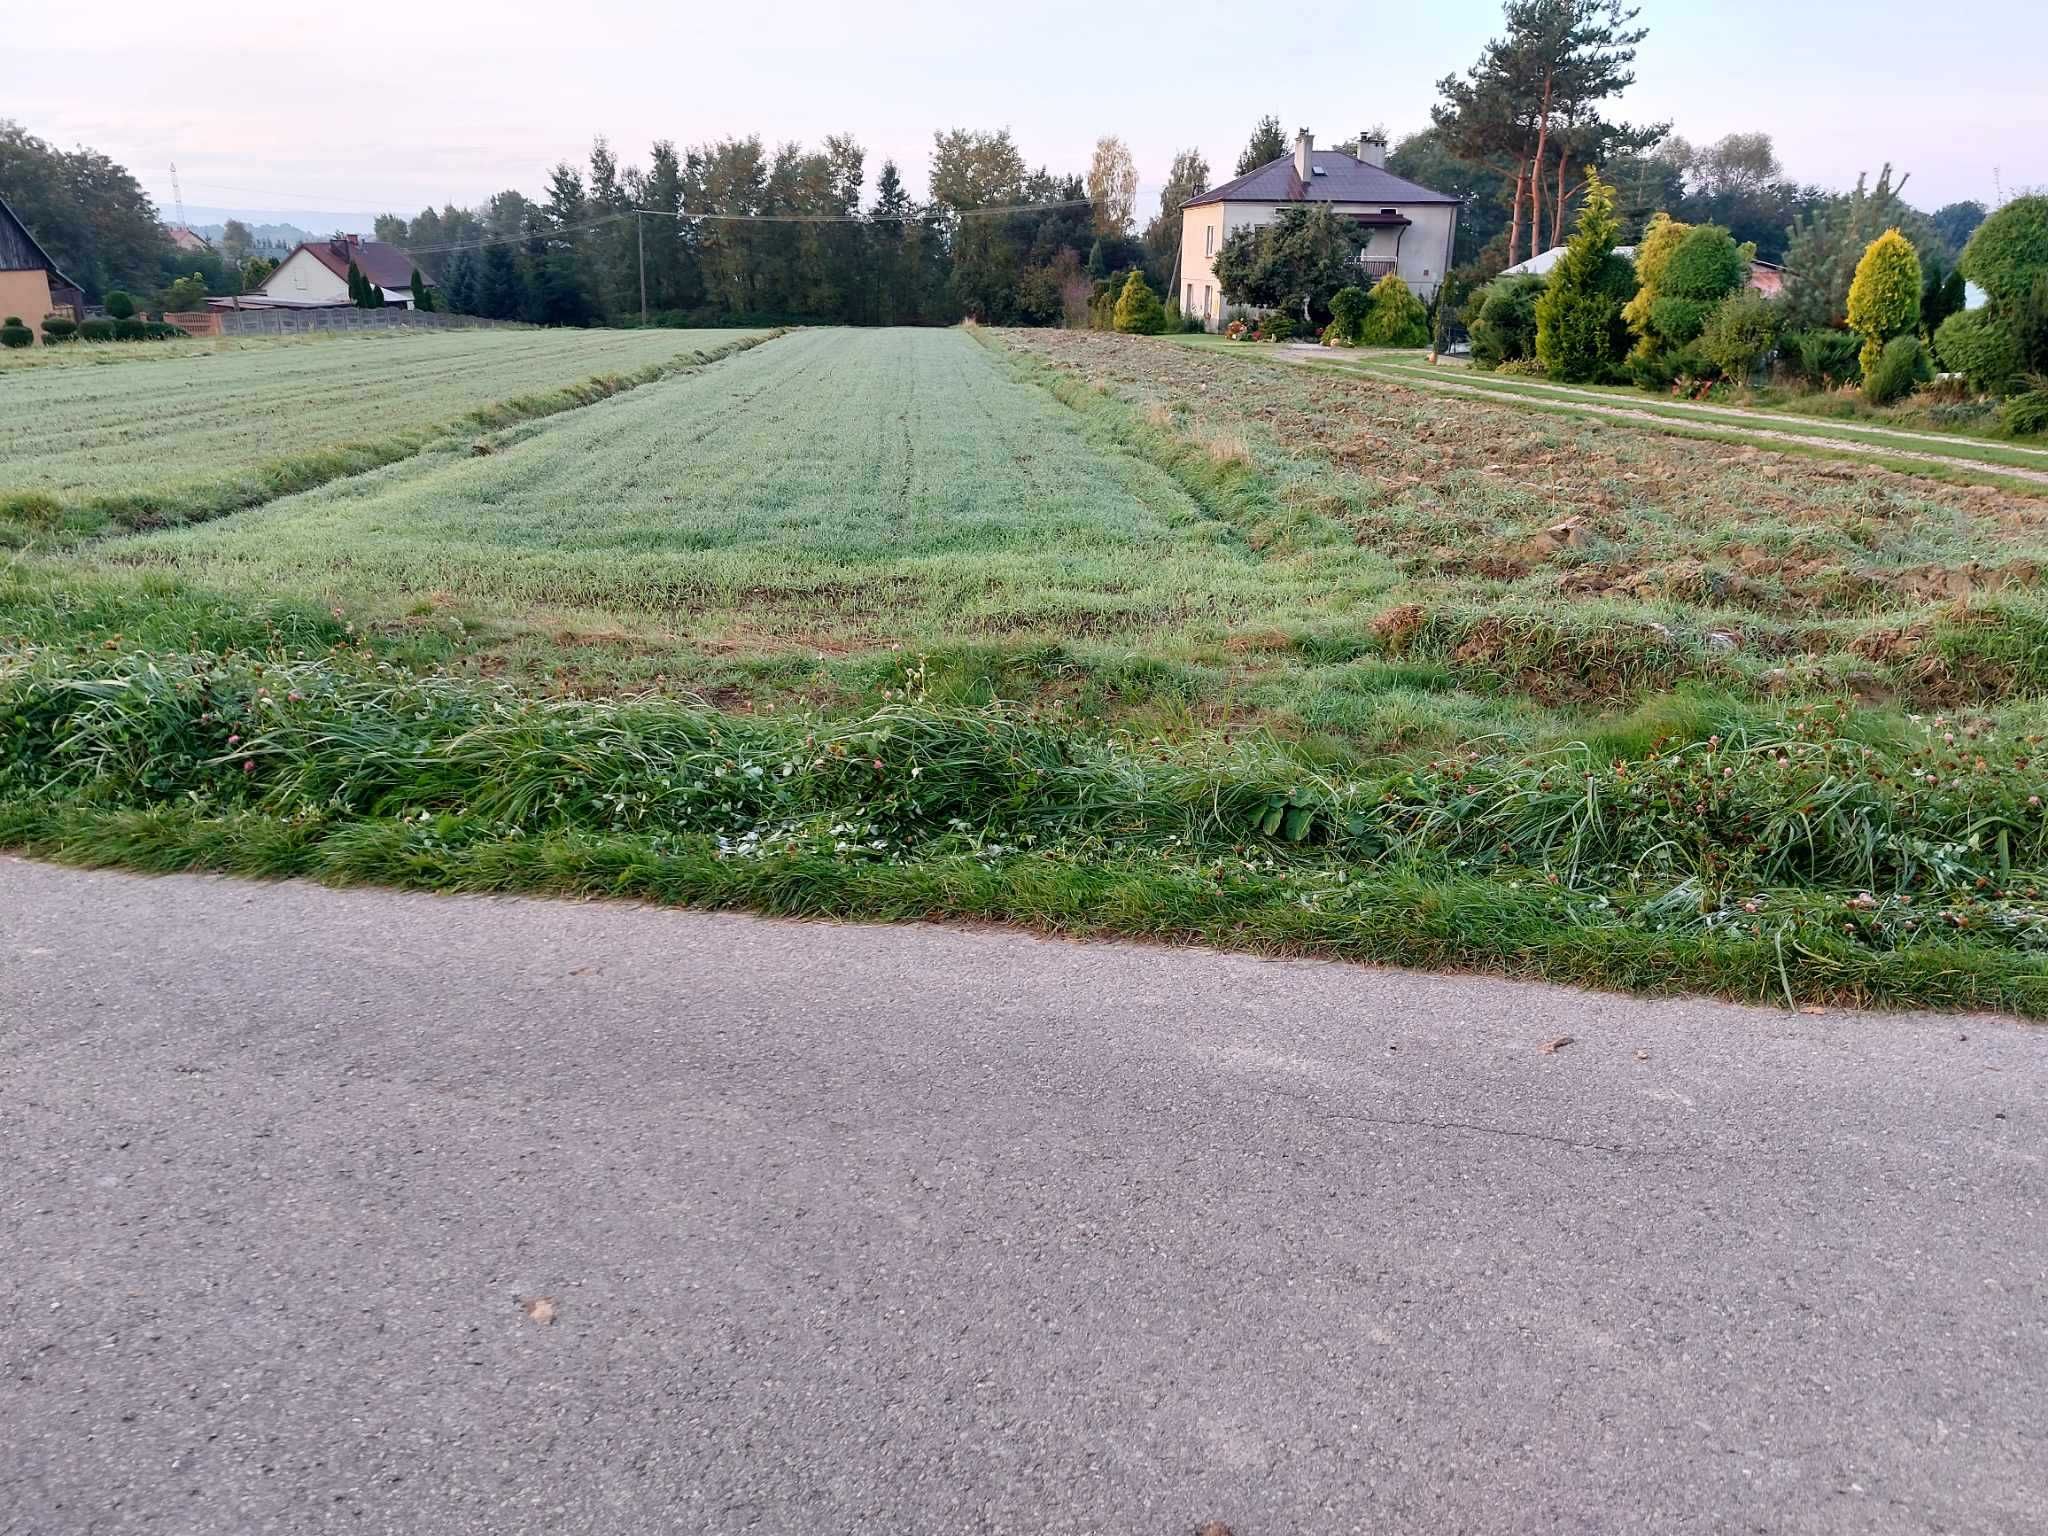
1711,419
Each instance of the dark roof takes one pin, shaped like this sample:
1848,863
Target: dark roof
387,266
1346,179
21,252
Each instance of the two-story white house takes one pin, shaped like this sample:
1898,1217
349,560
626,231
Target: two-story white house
1401,227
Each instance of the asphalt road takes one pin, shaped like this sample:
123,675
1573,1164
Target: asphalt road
911,1230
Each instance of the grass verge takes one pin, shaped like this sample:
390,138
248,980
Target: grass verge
1799,864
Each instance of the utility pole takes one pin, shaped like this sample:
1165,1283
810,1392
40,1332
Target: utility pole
640,233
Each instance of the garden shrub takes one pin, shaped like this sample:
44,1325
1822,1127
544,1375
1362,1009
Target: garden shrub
14,334
96,330
1981,349
1396,318
163,330
1884,295
1138,310
2026,414
130,329
59,328
1503,325
1278,326
1706,264
1348,308
1739,334
1676,320
1653,256
1683,272
1825,359
120,306
1580,335
1900,365
2009,250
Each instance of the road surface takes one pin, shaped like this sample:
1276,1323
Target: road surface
914,1230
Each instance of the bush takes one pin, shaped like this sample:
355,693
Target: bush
2009,250
14,334
130,329
96,330
1706,264
120,306
2026,413
1138,310
1676,320
1397,318
1981,349
1739,334
1278,326
59,328
1824,359
1503,325
1901,364
163,330
1884,295
1348,309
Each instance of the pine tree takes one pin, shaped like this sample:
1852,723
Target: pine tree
1579,329
358,290
1268,143
422,300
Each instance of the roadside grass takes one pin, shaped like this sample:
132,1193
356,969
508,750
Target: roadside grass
88,450
1102,635
1800,864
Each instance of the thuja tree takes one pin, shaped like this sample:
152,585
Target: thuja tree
1884,295
1580,334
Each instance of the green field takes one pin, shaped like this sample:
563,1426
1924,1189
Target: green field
194,433
1102,634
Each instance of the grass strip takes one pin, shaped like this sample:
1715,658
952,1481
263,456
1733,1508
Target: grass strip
1864,873
26,514
1397,917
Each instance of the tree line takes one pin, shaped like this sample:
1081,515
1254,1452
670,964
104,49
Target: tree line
736,231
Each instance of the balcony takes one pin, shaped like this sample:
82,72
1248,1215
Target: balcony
1376,269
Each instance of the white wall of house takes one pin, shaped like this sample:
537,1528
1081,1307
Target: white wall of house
1422,250
304,279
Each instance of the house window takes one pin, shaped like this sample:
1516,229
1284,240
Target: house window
1189,306
1205,300
1209,240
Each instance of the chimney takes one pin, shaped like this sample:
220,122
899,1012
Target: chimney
1304,146
1372,148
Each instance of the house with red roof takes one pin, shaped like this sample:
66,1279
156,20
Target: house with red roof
1401,227
316,273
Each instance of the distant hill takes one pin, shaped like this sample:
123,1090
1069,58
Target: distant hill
275,227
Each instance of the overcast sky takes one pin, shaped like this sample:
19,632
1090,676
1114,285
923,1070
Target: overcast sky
261,110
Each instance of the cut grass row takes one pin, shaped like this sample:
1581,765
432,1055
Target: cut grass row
88,450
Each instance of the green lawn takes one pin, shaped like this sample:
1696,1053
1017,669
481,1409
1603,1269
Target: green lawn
1103,634
197,432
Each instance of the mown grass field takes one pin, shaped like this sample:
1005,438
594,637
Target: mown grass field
193,432
1102,634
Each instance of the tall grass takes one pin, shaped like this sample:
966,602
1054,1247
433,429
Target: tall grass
1800,835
